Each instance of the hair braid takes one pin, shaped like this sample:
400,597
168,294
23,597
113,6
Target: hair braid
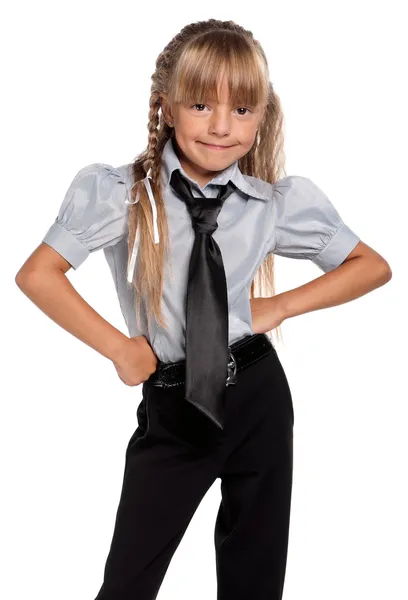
265,160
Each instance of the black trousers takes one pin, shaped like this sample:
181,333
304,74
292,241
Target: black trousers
173,458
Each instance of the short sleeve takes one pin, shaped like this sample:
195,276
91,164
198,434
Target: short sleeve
93,213
306,225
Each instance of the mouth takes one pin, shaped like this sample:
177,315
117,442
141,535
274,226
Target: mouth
215,147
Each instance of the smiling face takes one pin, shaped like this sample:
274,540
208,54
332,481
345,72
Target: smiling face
213,133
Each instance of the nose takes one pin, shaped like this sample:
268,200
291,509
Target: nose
220,123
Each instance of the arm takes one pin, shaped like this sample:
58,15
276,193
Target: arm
93,215
42,279
361,272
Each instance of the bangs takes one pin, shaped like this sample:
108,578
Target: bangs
208,58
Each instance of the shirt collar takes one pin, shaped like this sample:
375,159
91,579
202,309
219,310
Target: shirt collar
170,162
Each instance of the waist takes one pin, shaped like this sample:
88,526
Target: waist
242,353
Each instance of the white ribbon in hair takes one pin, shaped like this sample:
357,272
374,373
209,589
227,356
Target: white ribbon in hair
135,249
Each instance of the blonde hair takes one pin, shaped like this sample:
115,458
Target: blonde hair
188,69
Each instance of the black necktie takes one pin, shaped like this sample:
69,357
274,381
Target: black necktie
207,351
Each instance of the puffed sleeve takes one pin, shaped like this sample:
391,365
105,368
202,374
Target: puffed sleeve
93,213
306,225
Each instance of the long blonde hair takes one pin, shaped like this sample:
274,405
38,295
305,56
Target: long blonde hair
188,69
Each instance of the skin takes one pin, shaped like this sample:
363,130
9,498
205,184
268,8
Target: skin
211,123
42,278
362,271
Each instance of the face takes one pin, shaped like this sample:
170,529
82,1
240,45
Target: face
211,136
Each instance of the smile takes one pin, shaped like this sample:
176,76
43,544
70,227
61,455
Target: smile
214,147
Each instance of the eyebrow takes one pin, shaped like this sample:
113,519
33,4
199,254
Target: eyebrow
214,101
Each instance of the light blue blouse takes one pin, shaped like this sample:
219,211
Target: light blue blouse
291,218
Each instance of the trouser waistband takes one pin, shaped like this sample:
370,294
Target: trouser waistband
242,353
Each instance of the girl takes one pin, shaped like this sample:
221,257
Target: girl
188,229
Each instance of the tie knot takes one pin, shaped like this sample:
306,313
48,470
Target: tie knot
204,211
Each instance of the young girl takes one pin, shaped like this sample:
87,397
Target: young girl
188,229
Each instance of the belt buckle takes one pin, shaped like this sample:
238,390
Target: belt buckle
232,370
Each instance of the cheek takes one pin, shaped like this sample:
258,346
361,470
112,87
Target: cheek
248,141
188,126
246,132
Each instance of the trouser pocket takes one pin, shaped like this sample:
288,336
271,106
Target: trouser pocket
143,422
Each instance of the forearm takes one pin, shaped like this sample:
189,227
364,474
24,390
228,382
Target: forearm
350,280
54,294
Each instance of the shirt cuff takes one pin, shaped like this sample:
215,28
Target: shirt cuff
337,250
66,244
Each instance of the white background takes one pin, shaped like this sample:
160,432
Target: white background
78,78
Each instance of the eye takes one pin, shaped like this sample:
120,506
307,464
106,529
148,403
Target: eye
243,108
198,104
240,108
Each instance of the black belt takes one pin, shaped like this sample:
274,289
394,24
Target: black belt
243,353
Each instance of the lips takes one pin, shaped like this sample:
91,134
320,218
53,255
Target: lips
215,145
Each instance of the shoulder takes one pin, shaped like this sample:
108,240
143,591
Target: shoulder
308,225
93,213
294,185
297,195
98,191
259,185
103,177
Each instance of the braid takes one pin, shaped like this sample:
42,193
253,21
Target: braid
265,159
154,106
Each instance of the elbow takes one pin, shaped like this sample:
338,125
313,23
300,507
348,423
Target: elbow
384,272
387,270
20,279
23,279
28,278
